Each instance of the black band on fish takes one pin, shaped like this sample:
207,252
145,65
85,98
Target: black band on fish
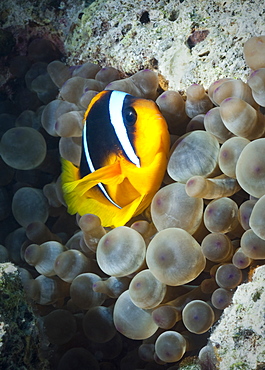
92,169
116,118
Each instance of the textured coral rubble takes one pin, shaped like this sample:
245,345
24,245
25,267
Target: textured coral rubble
242,328
167,36
106,284
19,331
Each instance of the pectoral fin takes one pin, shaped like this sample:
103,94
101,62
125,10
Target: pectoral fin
83,197
106,175
80,193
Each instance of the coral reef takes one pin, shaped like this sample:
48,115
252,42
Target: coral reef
148,294
242,327
21,345
186,42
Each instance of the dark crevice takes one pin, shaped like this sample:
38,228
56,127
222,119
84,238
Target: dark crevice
144,19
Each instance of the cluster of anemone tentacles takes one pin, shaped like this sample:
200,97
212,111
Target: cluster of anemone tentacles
165,277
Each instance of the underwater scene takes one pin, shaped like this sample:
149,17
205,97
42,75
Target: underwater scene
132,185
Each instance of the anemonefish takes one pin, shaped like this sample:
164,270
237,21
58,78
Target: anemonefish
125,146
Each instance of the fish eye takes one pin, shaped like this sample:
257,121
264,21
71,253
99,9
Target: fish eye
129,116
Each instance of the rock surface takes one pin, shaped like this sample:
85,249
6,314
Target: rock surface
186,41
20,341
239,337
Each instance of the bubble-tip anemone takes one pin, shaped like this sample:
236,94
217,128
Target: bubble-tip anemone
23,148
143,299
98,324
146,291
70,264
198,102
221,186
220,215
42,256
174,257
250,168
240,260
229,154
80,356
214,124
257,218
252,246
221,298
92,230
170,346
242,119
195,153
217,247
60,326
233,88
172,207
132,321
29,205
121,251
172,107
257,83
254,51
82,293
228,276
198,316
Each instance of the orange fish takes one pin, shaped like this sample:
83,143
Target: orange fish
125,146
